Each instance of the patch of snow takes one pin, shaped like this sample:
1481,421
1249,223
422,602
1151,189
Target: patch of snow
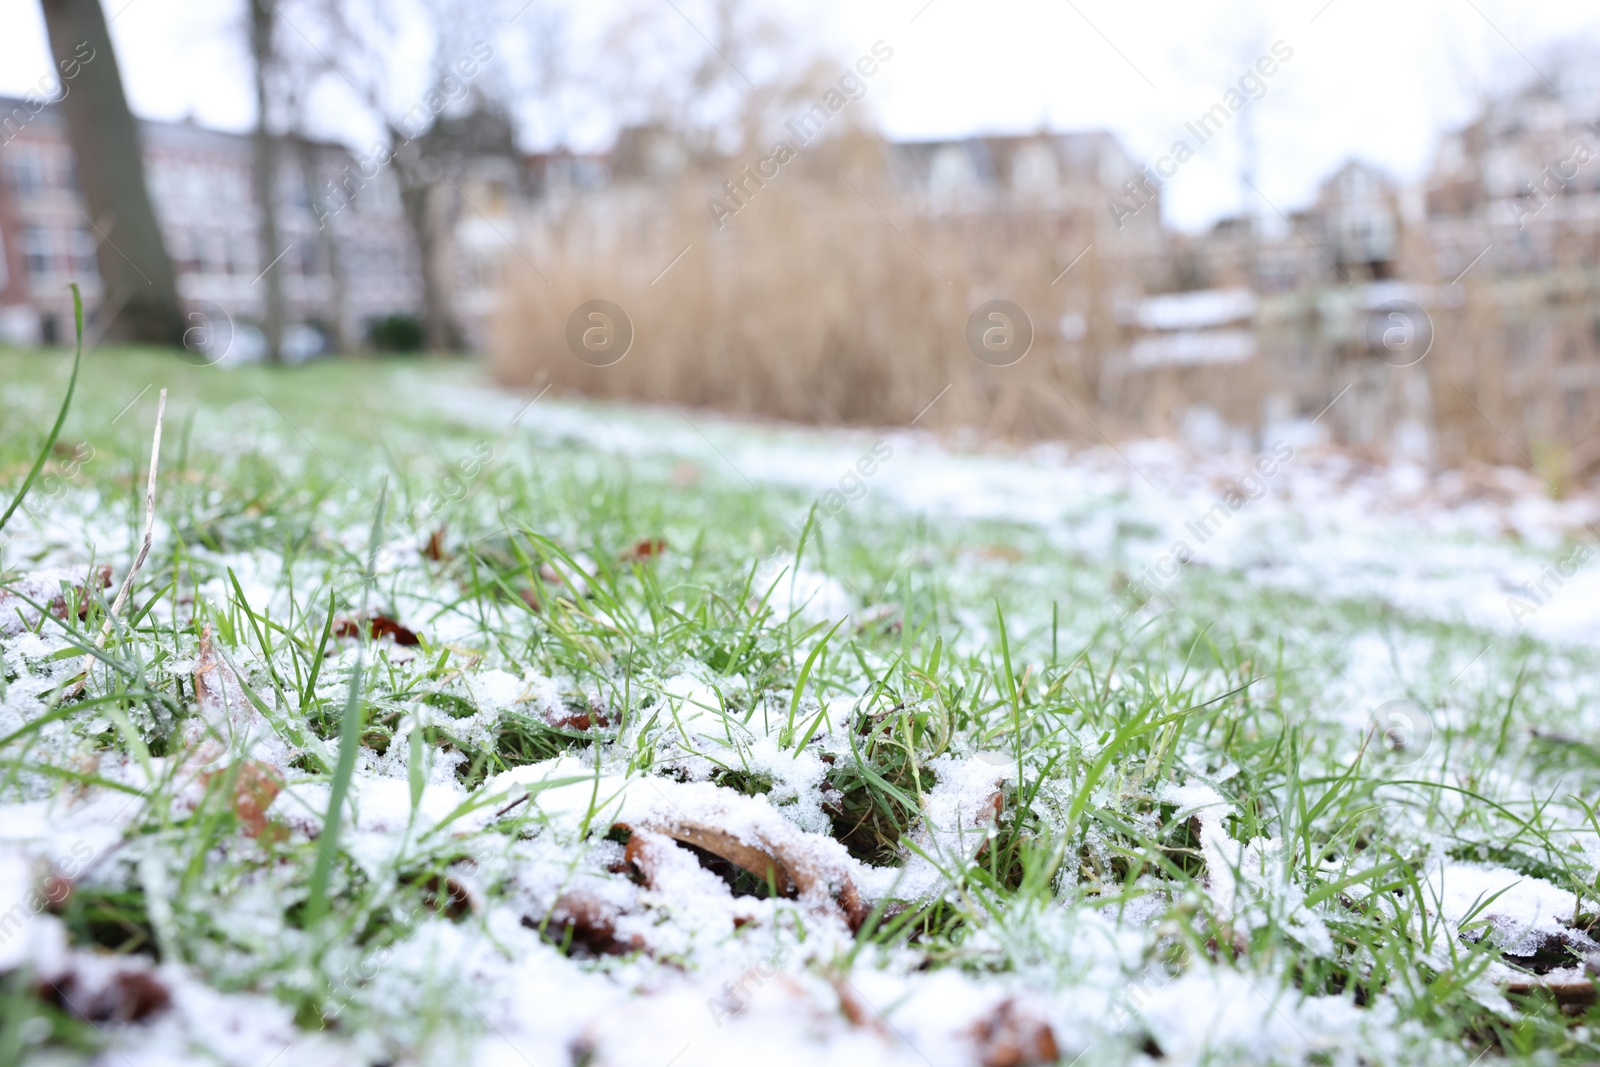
1521,912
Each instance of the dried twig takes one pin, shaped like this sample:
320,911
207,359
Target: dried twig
144,548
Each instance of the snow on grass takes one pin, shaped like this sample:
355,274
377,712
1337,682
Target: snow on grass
1432,543
1314,796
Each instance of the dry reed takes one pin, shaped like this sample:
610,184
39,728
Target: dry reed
820,301
834,301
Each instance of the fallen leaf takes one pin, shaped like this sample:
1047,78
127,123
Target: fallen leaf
576,719
255,787
434,549
1556,950
378,626
587,924
227,721
210,677
1004,553
450,897
1555,960
647,549
853,1007
1571,997
765,865
1009,1037
57,891
100,577
574,573
789,867
129,994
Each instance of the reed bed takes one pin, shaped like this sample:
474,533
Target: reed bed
821,303
829,299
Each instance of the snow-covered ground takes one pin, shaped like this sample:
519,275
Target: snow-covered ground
1488,548
555,909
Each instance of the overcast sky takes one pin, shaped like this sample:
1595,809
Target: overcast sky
1375,79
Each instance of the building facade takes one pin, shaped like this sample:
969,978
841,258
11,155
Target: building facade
1457,318
340,270
1491,263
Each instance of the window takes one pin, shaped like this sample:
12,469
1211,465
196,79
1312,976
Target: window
36,251
27,171
195,186
951,170
178,249
82,252
1034,168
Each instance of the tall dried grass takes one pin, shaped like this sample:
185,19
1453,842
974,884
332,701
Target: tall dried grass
824,300
1514,375
835,301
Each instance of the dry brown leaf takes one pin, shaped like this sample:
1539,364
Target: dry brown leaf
450,897
255,787
790,871
578,583
210,677
572,719
644,551
765,865
434,549
1004,553
100,577
378,626
1009,1037
130,994
591,923
1572,997
854,1008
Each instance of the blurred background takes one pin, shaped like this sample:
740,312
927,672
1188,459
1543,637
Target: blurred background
1338,220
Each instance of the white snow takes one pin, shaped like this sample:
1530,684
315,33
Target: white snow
1520,912
1450,545
704,976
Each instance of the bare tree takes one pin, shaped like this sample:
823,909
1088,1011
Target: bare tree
721,77
300,79
430,167
428,138
336,309
263,20
141,295
427,209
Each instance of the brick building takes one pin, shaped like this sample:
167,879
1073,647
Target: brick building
339,273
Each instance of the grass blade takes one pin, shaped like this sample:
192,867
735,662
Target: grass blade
349,740
61,416
800,684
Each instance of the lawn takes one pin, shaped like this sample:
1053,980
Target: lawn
444,725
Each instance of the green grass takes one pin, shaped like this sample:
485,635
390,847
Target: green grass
278,488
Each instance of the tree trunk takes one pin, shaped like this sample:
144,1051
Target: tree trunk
136,274
338,307
262,17
426,214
